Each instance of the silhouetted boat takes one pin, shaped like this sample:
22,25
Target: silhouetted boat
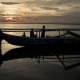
32,52
63,43
28,52
24,41
36,47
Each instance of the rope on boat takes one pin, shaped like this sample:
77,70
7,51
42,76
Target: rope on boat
73,34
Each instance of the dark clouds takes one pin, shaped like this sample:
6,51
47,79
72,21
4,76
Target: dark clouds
63,8
10,3
49,8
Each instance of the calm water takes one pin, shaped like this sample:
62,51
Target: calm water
28,69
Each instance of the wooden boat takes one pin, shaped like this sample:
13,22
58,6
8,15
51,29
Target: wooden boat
23,52
60,43
34,52
24,41
57,43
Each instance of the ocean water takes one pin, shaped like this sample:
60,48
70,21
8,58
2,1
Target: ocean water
32,69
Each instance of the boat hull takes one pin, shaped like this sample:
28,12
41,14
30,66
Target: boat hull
64,44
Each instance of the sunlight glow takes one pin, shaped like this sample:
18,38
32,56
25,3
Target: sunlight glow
14,12
9,18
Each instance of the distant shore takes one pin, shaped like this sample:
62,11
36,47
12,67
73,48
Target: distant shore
39,23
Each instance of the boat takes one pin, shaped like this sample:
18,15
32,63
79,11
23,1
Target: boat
23,52
58,42
51,43
24,41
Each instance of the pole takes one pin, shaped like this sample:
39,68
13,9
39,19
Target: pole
39,34
1,37
59,33
1,59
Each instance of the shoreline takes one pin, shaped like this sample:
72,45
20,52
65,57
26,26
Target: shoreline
40,23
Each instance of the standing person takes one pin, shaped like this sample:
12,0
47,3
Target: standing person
43,32
31,33
24,35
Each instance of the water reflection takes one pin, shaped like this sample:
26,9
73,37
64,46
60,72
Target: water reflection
68,62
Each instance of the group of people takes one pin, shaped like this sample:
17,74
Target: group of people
42,34
33,35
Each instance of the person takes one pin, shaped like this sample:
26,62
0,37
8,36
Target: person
31,33
24,35
43,32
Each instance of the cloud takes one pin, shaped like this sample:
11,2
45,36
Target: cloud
49,8
63,8
9,3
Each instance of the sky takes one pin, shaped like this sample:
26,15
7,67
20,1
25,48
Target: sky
40,11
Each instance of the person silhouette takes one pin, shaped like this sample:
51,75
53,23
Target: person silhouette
43,32
24,35
31,33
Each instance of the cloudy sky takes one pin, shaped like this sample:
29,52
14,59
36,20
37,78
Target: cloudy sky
49,11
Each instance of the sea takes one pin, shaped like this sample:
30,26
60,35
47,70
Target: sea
49,68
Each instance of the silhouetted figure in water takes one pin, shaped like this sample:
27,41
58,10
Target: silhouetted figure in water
31,33
24,35
43,32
